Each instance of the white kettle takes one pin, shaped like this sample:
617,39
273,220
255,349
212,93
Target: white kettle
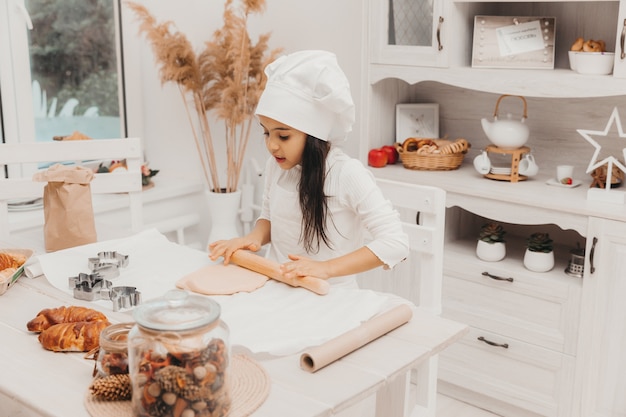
507,133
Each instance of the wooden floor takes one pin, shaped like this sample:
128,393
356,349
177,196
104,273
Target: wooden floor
449,407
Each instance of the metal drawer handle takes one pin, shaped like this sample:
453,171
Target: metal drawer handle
439,45
592,253
497,278
489,342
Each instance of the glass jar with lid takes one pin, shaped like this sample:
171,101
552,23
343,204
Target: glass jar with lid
179,355
113,350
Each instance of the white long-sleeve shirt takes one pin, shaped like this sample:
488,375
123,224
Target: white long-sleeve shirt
358,214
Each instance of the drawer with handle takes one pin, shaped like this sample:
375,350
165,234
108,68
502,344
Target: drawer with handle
538,311
511,371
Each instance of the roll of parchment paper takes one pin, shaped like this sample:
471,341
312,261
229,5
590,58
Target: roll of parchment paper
318,357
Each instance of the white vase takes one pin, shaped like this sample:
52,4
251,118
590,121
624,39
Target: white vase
490,252
224,214
538,261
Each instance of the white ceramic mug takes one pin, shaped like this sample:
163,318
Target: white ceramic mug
482,163
564,171
528,166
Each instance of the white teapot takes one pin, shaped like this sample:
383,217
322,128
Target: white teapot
507,133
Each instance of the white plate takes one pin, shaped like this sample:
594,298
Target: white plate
554,181
25,204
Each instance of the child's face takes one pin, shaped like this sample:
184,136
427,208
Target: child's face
285,143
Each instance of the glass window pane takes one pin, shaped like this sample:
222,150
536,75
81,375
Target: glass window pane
411,22
74,53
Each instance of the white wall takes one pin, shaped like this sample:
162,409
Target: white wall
294,25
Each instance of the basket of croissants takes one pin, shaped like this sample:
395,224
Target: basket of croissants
432,154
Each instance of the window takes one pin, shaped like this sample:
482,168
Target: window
63,75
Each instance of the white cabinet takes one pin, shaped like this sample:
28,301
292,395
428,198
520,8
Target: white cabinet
602,364
408,32
452,49
565,336
519,357
619,69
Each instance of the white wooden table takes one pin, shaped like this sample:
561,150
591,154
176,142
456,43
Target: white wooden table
54,384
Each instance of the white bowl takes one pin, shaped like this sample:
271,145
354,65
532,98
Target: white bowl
594,63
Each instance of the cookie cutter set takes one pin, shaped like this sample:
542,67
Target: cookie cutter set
97,285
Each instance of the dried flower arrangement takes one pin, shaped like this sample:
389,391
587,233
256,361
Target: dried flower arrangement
225,77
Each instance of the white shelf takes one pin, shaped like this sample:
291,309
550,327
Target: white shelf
165,188
526,202
557,83
464,250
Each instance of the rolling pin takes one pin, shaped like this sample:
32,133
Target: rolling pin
256,263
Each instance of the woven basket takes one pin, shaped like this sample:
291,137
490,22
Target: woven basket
431,162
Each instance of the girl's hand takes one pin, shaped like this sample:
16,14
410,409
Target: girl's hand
226,248
303,267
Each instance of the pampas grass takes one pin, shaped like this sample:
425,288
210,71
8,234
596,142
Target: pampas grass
226,78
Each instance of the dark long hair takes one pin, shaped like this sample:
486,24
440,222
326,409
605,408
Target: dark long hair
313,201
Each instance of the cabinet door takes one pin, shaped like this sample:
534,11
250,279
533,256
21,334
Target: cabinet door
603,332
619,69
408,32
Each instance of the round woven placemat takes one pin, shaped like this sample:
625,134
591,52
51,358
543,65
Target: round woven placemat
250,386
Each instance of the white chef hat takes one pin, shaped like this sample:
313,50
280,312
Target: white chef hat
308,91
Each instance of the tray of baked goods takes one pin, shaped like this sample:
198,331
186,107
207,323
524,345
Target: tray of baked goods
432,154
12,266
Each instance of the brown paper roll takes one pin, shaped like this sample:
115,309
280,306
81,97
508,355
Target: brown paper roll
319,356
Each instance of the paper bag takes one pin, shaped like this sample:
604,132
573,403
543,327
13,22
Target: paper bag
67,207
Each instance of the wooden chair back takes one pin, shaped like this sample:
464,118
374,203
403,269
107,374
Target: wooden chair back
20,159
419,278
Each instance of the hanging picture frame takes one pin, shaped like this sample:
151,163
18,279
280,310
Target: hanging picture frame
417,120
525,42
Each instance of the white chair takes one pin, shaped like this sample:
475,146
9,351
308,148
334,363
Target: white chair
20,158
419,278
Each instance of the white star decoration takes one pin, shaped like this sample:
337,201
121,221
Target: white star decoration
610,160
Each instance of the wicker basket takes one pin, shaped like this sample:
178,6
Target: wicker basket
431,162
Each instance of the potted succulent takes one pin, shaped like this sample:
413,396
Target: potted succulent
539,255
491,244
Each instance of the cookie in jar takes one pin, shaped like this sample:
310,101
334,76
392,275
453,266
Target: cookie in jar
112,356
179,354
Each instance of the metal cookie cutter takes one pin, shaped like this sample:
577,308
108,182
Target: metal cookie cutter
124,297
107,264
89,287
92,287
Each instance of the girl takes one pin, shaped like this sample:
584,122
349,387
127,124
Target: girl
319,205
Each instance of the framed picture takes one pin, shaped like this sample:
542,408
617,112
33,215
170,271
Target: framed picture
513,42
417,121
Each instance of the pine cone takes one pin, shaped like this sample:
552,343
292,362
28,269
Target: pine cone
114,387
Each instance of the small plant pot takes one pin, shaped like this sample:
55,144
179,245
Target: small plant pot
490,252
538,261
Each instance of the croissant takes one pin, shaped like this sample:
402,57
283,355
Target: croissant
73,337
72,314
11,260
